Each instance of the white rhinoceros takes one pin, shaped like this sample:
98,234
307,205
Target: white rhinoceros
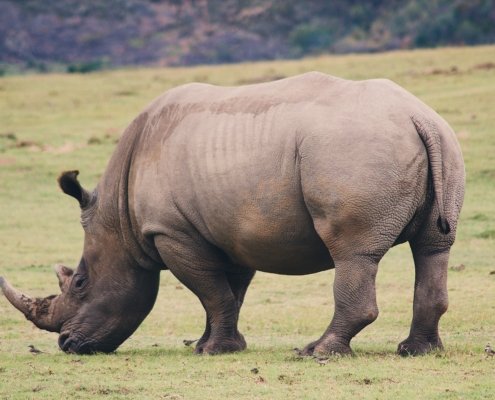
291,177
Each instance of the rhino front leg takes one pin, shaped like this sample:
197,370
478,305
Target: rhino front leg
355,306
239,282
205,272
222,314
205,336
430,301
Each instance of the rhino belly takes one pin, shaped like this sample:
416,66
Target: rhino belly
283,245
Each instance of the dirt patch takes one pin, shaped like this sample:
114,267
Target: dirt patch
29,145
94,140
37,147
64,149
453,70
8,136
7,140
107,138
485,66
463,134
488,174
486,234
4,161
124,93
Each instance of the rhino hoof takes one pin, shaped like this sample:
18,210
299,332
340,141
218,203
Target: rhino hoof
212,347
415,348
325,347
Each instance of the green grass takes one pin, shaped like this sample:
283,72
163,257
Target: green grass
51,123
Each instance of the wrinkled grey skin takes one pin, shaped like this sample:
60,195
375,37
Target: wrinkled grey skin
290,177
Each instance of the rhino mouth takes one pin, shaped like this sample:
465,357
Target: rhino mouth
73,345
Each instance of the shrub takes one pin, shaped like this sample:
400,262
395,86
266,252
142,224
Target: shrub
85,67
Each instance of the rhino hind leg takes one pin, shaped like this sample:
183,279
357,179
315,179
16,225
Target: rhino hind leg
430,301
355,306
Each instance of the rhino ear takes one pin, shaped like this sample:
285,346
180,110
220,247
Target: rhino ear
70,185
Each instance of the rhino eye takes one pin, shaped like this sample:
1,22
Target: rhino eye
79,282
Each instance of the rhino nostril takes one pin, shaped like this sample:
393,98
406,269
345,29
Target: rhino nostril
64,341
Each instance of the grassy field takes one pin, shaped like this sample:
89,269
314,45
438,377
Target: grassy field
50,123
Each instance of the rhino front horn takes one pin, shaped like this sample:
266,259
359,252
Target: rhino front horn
39,311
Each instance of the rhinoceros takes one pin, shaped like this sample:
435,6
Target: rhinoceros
292,177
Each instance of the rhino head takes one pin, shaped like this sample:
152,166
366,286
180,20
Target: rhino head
104,299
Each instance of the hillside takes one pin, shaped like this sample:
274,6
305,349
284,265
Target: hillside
93,34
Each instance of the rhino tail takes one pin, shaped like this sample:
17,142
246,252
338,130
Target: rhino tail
429,134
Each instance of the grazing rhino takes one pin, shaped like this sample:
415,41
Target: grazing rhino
290,177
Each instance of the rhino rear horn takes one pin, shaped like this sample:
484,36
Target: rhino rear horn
64,275
39,311
70,185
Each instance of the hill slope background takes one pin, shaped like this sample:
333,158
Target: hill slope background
93,34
